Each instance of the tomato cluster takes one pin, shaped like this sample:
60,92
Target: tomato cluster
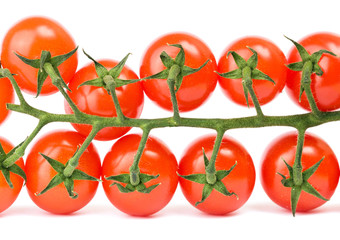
157,161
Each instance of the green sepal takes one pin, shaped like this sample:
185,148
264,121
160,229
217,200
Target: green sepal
100,69
6,174
56,180
123,82
46,57
294,198
245,91
125,179
56,165
167,61
223,173
252,61
302,51
161,75
310,171
69,185
97,82
147,190
240,61
207,189
116,70
80,175
205,158
258,75
127,189
18,171
221,188
180,58
296,66
198,178
234,74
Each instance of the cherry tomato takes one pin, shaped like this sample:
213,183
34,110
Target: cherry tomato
324,180
271,61
195,88
61,146
9,195
6,96
28,38
241,179
156,159
96,100
325,88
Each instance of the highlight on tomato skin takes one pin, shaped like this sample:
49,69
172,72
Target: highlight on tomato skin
271,61
195,88
96,100
240,181
61,146
324,180
9,195
325,88
40,33
157,159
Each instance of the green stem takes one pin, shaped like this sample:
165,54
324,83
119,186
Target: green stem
211,168
110,83
74,161
246,77
306,85
297,166
134,169
8,74
173,73
20,151
56,80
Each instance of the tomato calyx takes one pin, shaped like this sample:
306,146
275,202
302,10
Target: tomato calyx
61,178
129,186
305,186
308,65
47,60
14,168
247,71
210,180
175,65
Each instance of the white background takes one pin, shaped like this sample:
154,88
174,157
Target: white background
111,29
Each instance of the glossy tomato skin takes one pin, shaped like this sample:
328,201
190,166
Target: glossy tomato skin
271,61
324,180
6,96
241,180
39,33
156,159
325,88
96,101
196,88
61,146
9,195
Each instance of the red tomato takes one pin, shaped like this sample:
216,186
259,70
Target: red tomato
28,38
156,159
325,88
195,88
6,96
241,180
324,180
61,146
96,100
9,195
271,61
